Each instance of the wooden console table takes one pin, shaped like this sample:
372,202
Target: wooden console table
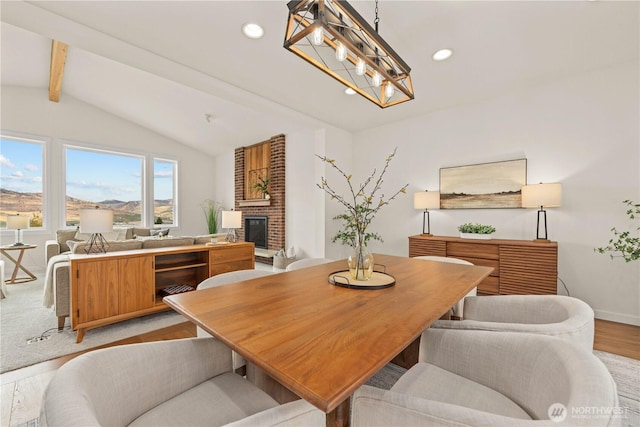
520,266
116,286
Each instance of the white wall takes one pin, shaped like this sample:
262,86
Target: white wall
28,111
582,131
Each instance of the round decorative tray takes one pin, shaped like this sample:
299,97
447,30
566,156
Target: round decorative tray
379,280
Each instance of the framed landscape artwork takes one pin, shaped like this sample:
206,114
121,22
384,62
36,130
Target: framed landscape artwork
483,186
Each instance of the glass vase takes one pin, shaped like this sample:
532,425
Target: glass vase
360,263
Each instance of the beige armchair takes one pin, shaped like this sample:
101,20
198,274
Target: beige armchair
457,309
168,383
555,315
480,378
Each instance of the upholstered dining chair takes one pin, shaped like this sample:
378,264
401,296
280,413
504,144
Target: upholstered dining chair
481,378
188,382
226,279
564,317
307,262
457,309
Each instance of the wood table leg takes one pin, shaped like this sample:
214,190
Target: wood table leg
339,417
17,267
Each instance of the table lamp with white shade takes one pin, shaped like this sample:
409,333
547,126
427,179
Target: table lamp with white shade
541,196
231,220
17,222
96,221
426,200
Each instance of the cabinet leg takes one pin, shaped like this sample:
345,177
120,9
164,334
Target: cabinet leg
61,320
80,334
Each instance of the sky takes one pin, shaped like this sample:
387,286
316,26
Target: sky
91,175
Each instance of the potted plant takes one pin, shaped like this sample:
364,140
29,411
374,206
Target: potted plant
622,244
211,211
263,186
363,203
476,231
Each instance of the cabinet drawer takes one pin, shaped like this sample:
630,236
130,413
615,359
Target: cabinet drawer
230,254
230,266
493,263
422,247
473,250
489,286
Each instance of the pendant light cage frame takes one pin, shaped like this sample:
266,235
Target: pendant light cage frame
342,26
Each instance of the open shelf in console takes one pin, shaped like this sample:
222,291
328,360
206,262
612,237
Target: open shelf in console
183,269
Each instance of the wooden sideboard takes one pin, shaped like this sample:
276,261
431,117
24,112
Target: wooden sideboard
112,287
520,266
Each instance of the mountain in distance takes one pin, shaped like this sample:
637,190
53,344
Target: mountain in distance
123,212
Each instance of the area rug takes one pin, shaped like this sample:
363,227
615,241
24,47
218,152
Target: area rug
23,317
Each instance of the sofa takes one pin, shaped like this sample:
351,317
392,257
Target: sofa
57,286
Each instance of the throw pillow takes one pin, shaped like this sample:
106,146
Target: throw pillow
62,236
160,232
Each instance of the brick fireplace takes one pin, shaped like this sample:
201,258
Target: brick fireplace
274,207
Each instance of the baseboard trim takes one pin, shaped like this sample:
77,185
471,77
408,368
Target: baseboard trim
617,317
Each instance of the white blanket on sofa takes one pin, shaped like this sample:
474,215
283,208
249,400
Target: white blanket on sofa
48,296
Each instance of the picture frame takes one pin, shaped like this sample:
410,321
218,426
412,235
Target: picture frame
496,185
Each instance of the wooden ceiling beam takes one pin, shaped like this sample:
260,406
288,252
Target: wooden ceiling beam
58,58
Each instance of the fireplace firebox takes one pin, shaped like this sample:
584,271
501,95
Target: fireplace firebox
255,230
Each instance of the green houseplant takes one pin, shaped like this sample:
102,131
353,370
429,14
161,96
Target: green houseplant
623,244
476,231
211,211
362,204
263,186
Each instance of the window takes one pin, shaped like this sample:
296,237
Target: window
109,180
21,179
164,185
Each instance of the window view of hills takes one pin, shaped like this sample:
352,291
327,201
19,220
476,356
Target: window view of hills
124,212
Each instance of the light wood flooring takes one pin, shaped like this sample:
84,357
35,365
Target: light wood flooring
21,390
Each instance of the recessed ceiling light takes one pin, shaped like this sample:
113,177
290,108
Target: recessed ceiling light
442,54
349,91
253,31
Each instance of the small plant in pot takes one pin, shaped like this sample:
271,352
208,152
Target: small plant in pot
476,231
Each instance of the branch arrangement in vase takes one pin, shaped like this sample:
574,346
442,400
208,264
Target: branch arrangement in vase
623,244
362,205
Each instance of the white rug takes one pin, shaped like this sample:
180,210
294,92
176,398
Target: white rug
22,316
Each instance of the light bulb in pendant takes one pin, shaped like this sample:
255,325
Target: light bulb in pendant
341,52
389,90
376,79
361,67
317,37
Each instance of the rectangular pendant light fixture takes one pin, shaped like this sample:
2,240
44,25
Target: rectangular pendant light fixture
332,36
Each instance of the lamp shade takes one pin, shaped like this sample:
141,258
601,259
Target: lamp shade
536,195
231,219
426,200
17,222
96,221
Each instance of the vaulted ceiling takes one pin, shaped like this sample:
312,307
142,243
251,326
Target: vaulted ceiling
166,64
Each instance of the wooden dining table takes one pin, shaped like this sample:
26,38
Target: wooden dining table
322,341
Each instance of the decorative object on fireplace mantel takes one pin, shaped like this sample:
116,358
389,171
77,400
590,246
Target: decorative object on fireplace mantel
361,210
262,185
476,231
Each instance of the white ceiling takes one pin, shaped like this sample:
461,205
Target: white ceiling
165,64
